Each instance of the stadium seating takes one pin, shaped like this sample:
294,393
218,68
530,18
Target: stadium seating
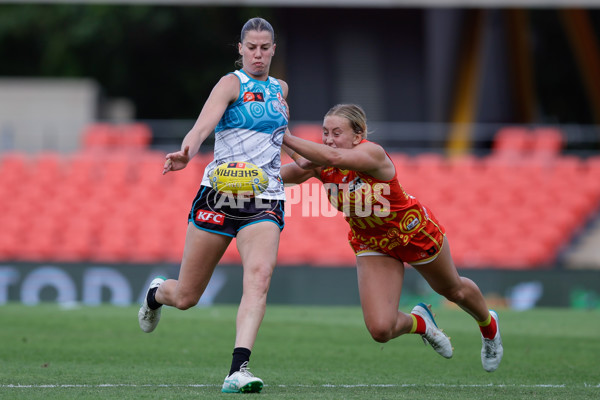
517,208
105,136
512,142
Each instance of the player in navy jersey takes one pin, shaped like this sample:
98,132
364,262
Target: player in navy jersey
248,114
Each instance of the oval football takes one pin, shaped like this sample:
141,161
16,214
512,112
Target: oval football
239,178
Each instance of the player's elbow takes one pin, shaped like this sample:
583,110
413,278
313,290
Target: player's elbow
333,158
304,163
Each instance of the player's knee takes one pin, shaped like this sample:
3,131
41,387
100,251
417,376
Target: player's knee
380,333
260,281
185,302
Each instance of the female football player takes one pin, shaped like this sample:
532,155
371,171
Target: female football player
248,113
388,227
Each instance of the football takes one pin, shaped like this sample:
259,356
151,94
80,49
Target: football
239,178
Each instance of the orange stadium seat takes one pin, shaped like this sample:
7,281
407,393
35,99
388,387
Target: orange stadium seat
512,141
48,168
113,242
78,237
82,169
429,162
107,136
116,206
175,242
593,163
134,136
15,229
15,169
148,245
547,142
98,136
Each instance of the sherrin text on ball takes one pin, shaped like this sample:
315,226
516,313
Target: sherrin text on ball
239,178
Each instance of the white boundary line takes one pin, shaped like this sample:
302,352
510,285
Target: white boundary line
126,385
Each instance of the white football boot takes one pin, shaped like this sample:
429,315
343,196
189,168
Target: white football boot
242,381
433,335
148,317
492,350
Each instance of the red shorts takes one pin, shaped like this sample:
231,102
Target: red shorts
422,247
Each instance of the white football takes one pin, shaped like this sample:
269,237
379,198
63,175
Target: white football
239,178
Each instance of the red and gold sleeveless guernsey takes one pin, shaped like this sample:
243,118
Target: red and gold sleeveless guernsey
383,218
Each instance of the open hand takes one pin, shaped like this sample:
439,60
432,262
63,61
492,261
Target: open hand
176,161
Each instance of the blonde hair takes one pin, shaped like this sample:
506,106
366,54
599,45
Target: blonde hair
354,114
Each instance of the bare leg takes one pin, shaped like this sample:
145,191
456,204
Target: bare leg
442,276
202,252
257,245
380,280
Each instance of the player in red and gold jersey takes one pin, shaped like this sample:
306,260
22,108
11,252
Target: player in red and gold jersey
388,227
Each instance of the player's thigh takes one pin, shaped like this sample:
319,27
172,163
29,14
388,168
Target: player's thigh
440,274
201,253
257,244
380,280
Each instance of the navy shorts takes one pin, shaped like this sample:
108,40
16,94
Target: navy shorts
227,215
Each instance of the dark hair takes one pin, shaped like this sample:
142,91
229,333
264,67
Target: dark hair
257,24
354,114
254,24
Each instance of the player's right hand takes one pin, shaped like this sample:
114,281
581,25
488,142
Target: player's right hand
176,161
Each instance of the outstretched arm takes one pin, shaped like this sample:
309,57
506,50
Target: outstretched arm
224,93
366,157
291,173
298,159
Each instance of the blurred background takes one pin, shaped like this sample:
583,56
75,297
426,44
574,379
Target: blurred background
490,110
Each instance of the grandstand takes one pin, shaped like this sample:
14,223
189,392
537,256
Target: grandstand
519,207
490,110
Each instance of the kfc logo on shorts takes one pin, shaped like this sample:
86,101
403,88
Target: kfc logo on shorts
210,217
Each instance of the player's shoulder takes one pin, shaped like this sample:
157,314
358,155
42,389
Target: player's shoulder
282,83
230,79
229,85
284,86
367,145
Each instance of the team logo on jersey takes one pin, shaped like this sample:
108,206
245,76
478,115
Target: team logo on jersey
249,96
355,184
327,172
410,221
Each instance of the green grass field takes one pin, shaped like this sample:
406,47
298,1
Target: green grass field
48,352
